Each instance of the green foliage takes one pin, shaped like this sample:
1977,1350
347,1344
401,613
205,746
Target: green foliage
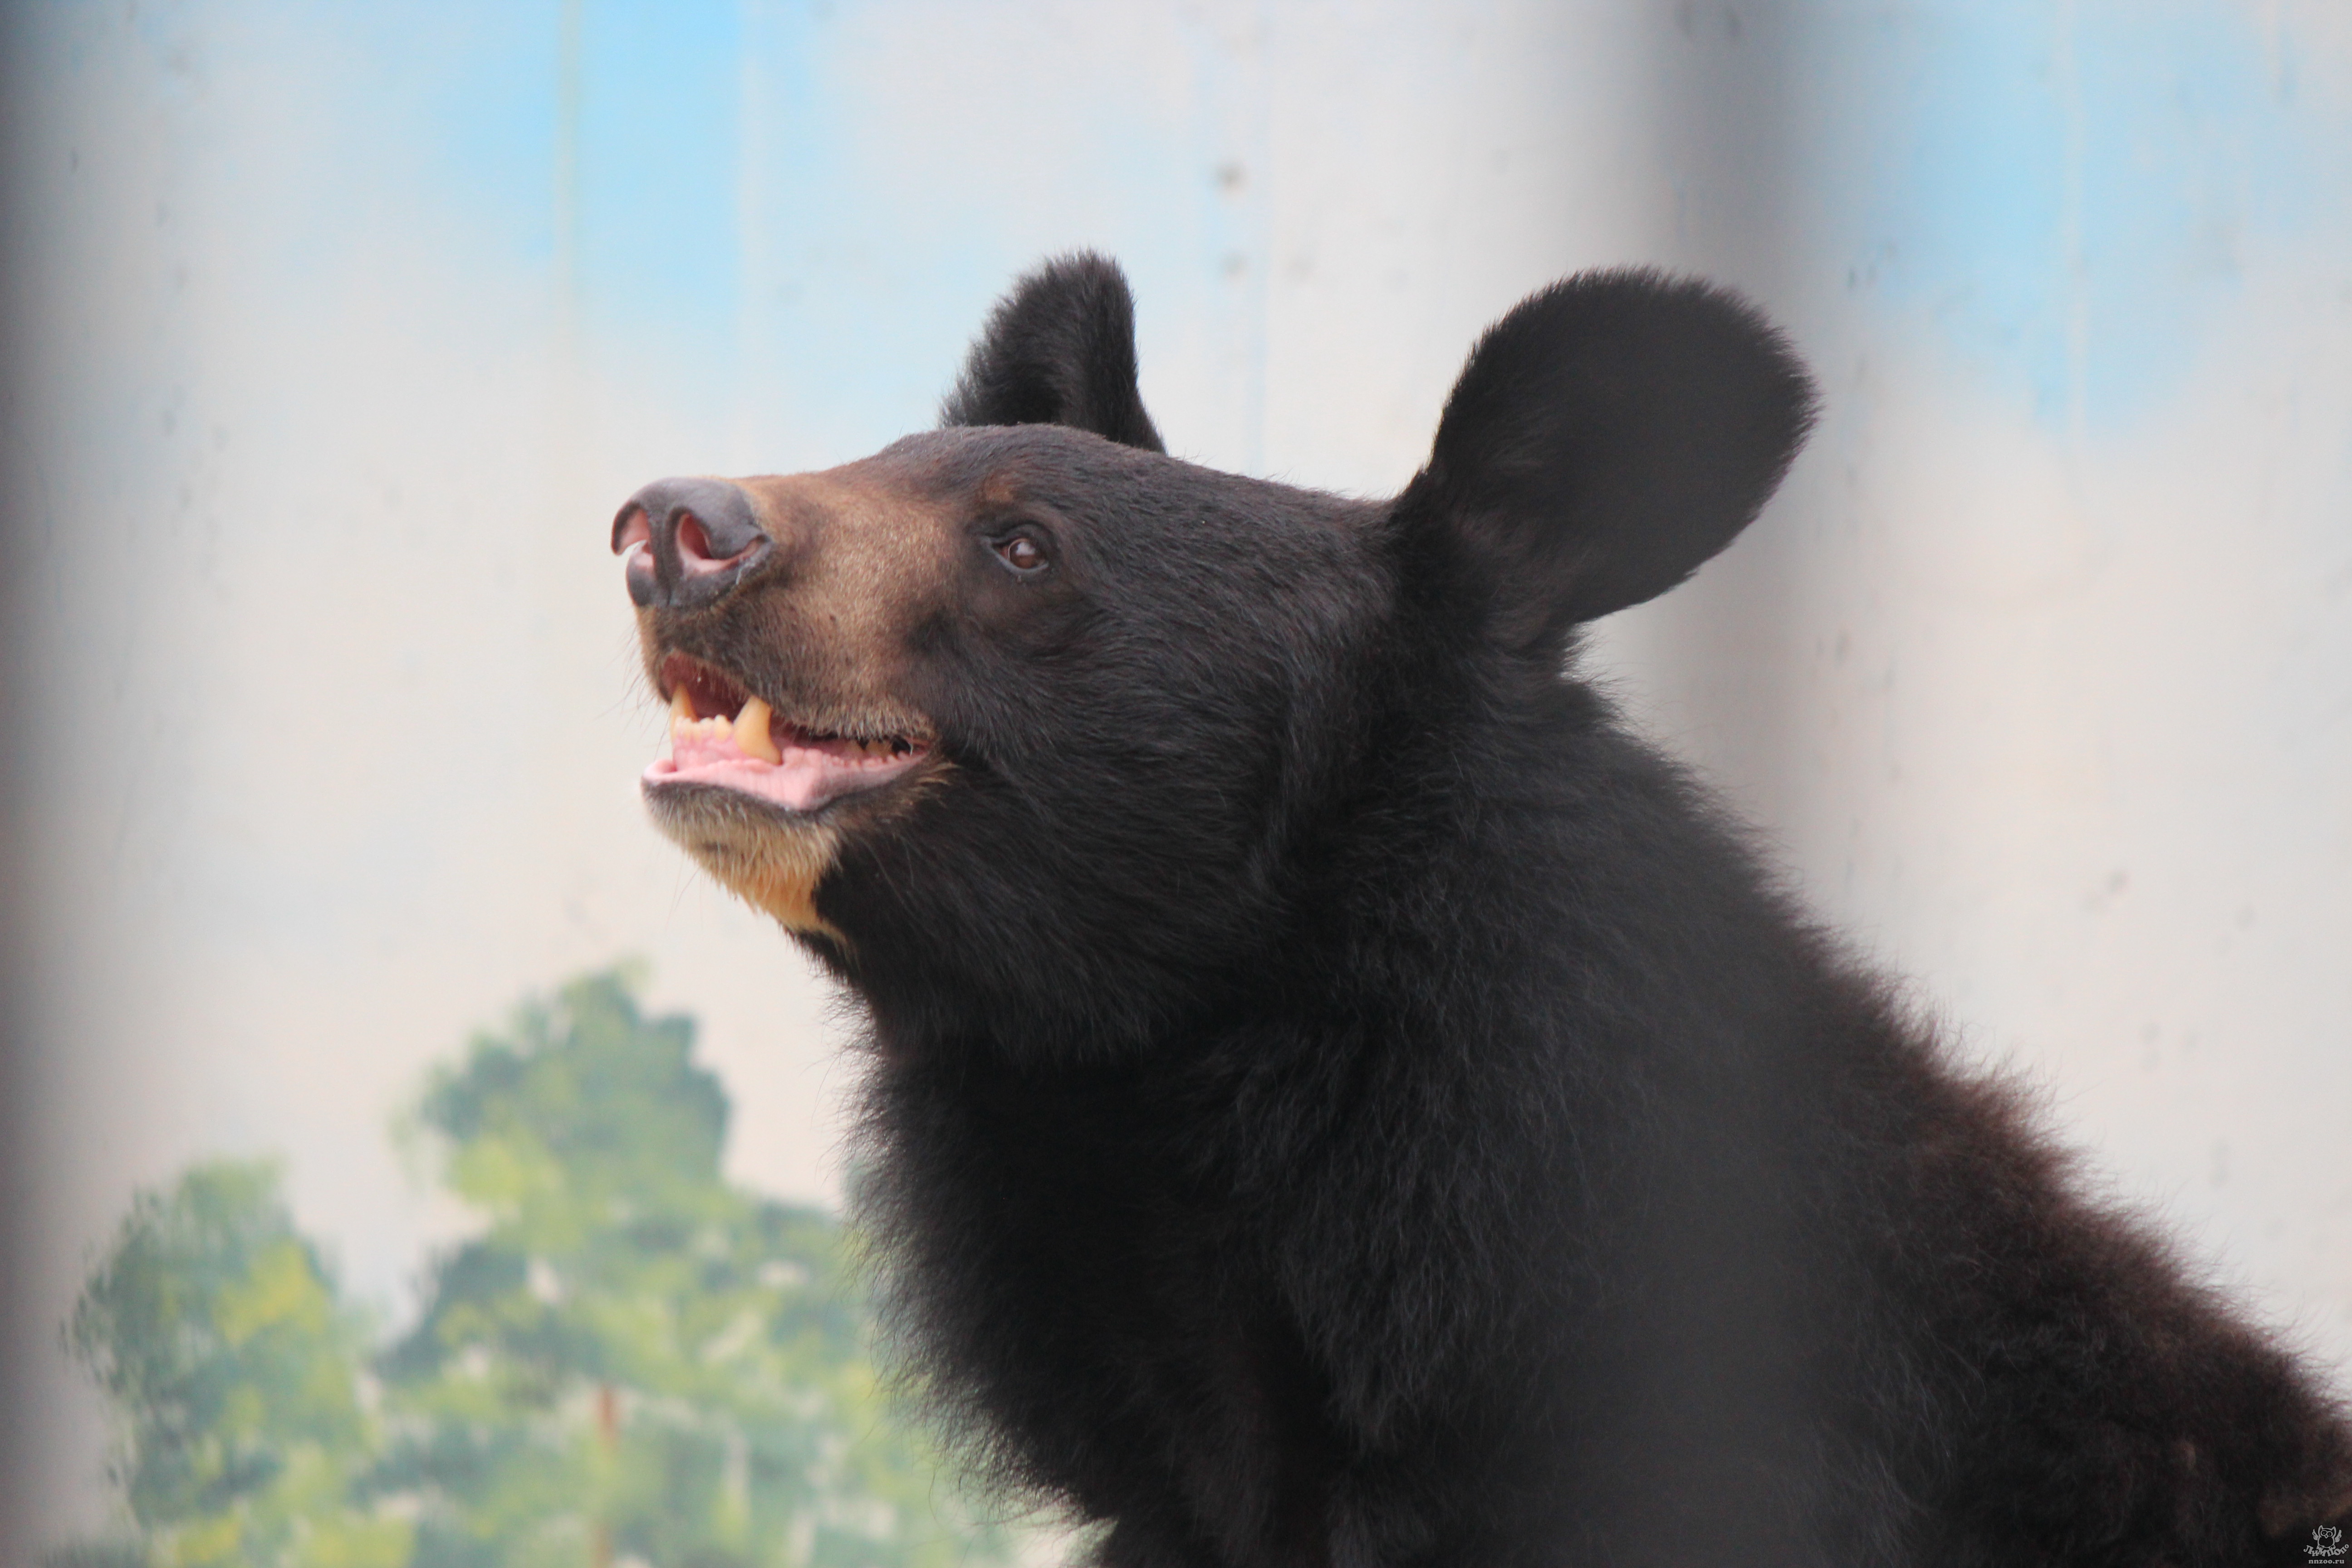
634,1362
636,1358
215,1331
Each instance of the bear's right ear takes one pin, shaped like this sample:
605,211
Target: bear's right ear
1058,350
1608,436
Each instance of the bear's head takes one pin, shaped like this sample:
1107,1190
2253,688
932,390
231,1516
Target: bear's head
1035,733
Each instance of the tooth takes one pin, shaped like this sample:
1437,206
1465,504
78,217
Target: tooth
681,712
751,737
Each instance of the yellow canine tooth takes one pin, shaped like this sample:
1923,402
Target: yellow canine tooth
751,737
681,712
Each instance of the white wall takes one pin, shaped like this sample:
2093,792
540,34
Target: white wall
336,337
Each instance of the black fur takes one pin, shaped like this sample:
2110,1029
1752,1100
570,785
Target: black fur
1059,349
1342,1100
1607,436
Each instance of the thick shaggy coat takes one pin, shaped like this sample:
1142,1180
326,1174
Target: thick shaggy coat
1338,1097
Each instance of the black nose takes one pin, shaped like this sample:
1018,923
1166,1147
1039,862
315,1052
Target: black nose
686,542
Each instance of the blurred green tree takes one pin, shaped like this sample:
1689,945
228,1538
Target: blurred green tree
633,1364
638,1362
216,1333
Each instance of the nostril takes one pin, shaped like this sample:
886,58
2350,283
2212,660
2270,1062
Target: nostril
698,551
631,527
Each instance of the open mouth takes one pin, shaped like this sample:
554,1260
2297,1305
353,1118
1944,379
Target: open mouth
720,734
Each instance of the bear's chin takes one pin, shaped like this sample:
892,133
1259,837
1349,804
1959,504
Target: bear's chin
770,856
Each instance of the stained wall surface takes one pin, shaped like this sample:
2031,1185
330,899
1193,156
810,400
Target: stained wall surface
336,334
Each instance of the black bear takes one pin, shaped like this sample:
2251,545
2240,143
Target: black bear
1339,1099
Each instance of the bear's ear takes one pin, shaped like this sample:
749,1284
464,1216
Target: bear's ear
1058,350
1608,436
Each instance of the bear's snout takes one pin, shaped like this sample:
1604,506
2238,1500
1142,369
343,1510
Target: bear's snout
687,542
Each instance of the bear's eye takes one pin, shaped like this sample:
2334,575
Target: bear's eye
1023,554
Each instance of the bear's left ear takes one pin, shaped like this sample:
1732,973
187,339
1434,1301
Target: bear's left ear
1608,436
1058,350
